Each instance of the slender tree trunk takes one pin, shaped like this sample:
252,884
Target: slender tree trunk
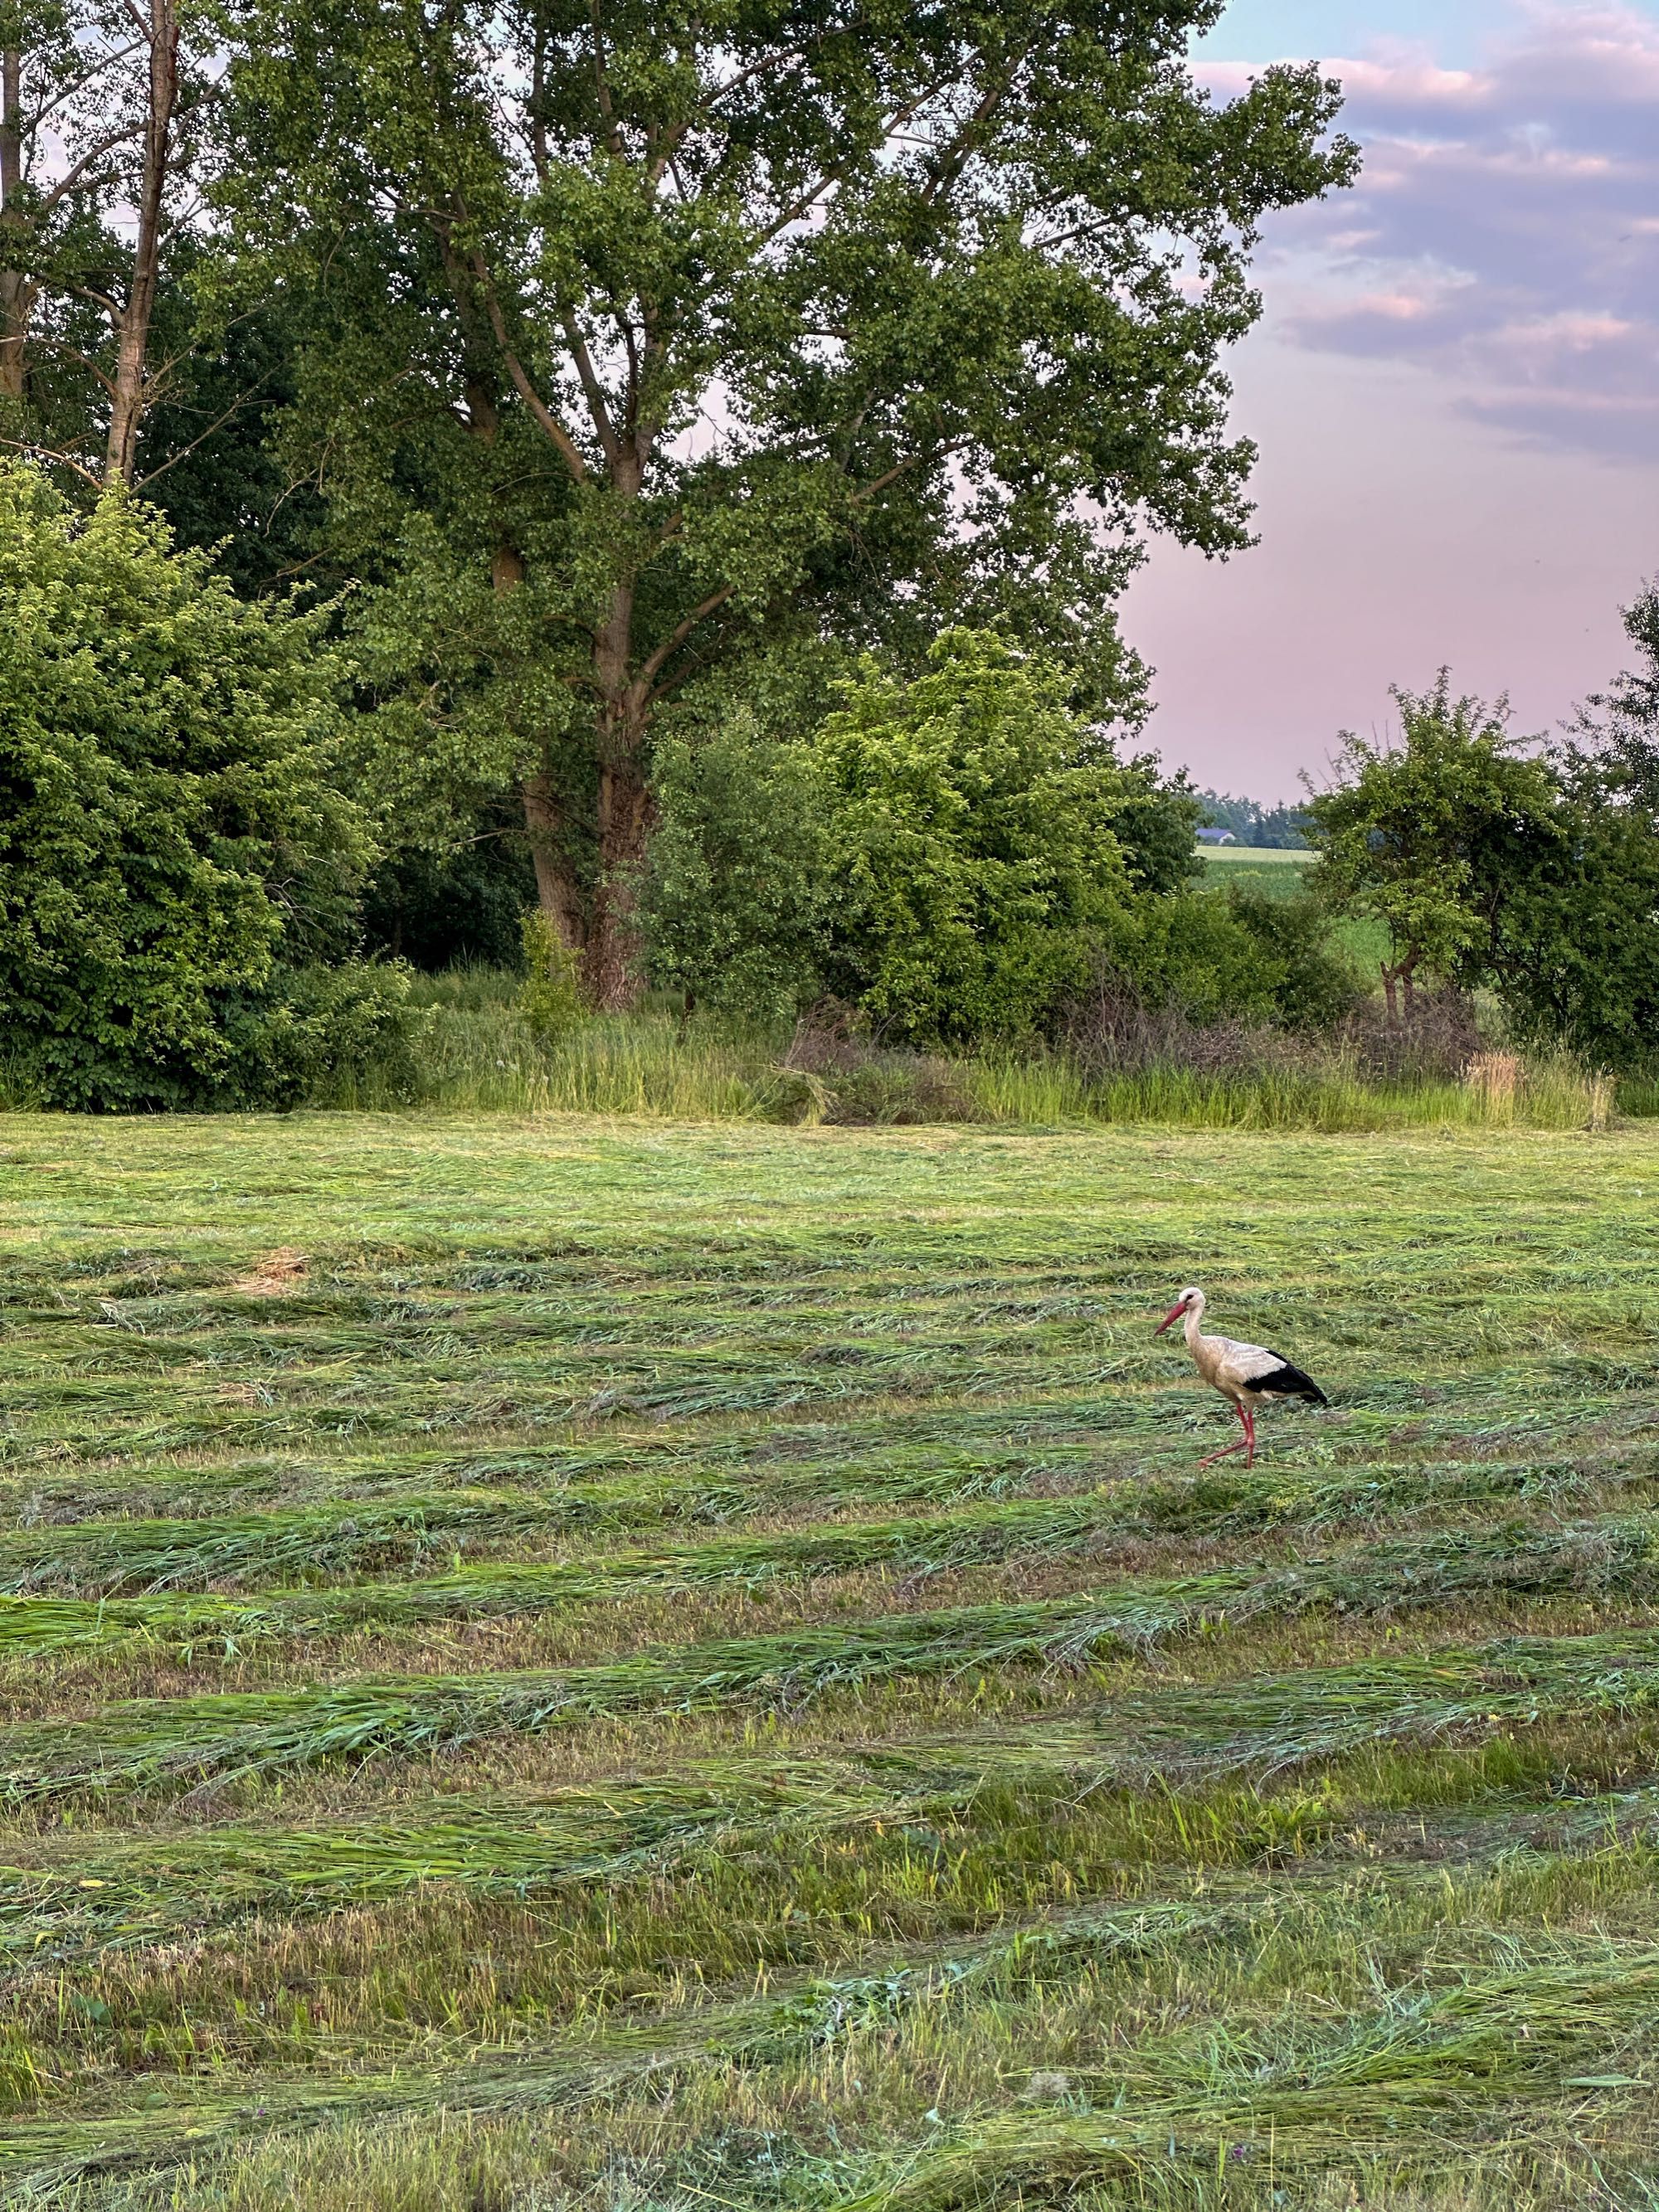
130,395
558,894
613,949
16,291
1390,991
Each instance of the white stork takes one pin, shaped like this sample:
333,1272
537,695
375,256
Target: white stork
1242,1372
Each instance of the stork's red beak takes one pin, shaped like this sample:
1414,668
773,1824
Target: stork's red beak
1174,1313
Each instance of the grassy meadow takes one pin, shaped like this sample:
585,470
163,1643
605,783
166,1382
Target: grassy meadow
599,1664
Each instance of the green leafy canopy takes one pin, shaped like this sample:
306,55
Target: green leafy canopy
647,333
168,830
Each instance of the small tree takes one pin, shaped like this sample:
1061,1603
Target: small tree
1424,835
1619,727
973,862
167,830
1576,954
733,896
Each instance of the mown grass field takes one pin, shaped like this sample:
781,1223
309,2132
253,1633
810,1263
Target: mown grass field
636,1667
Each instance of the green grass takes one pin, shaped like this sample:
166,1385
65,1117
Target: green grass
478,1055
580,1662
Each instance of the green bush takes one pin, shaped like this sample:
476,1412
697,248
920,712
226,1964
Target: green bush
973,864
550,996
168,837
1314,987
734,896
345,1036
1191,953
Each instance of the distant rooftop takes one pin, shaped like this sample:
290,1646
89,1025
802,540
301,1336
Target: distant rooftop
1216,837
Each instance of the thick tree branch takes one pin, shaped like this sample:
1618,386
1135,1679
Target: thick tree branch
593,390
543,415
79,178
678,635
951,162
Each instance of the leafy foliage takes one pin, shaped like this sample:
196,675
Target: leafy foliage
734,899
1312,985
1424,836
957,286
550,996
972,858
168,832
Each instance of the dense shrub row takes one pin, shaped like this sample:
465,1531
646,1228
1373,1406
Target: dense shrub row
960,860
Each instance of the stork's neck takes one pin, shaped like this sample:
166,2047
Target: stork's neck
1191,1328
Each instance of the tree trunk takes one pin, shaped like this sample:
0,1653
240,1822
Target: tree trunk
129,396
1390,983
557,892
613,949
16,291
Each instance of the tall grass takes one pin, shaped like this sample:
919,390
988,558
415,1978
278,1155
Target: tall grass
477,1054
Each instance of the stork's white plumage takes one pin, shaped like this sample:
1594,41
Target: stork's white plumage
1242,1372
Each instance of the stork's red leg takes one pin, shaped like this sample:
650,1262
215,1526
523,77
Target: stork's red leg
1246,1443
1250,1431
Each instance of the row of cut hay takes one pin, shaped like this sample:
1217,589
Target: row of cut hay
1419,2072
945,1393
1422,2062
358,1534
143,1743
286,1410
193,2120
1035,1528
1617,1554
88,1896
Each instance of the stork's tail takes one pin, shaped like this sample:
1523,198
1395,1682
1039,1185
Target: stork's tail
1286,1380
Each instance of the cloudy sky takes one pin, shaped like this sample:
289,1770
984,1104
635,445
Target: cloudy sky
1455,388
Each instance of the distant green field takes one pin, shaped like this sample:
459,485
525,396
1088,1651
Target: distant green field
1276,855
572,1663
1282,874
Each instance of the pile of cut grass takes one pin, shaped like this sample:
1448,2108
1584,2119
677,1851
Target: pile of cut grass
671,1666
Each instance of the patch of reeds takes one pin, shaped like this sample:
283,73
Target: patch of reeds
1119,1062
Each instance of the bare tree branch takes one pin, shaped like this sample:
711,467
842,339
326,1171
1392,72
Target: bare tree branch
39,452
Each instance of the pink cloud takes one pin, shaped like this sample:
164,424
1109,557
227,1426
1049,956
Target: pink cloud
1506,232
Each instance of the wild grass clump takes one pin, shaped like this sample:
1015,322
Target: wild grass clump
484,1049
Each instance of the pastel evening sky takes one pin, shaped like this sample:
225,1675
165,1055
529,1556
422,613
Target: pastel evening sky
1455,388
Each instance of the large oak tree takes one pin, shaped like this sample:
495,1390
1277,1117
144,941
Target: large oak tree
650,331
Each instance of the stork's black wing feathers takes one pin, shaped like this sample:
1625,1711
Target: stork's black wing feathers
1286,1380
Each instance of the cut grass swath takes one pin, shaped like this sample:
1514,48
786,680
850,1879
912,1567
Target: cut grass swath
1442,2060
1420,2070
1272,1722
123,1557
1620,1554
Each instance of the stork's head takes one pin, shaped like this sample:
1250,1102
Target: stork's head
1191,1301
